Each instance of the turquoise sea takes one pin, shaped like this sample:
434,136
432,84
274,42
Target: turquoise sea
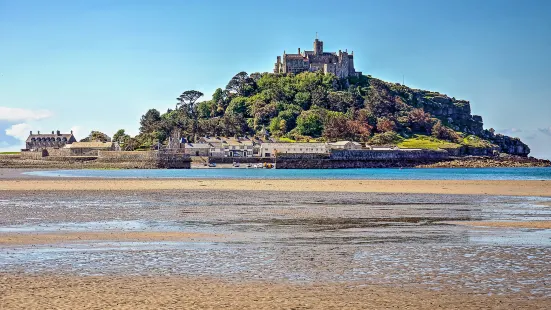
315,174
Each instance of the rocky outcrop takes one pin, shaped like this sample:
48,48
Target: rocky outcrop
456,114
490,162
507,144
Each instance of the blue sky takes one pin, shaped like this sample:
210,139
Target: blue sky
84,65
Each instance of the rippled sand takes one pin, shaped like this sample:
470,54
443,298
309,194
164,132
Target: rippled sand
74,292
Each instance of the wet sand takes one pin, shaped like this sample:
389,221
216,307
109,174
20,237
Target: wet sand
79,244
510,188
119,236
508,224
74,292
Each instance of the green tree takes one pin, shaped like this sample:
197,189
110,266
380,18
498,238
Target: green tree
120,136
96,136
275,126
150,121
188,98
241,84
309,123
205,109
238,105
219,102
186,102
303,100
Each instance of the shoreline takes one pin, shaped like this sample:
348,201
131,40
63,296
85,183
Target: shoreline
16,162
471,187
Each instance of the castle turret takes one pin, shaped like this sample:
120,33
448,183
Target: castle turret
277,66
318,47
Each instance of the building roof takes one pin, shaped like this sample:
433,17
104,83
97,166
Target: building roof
48,136
239,142
345,143
294,56
294,144
197,145
89,145
226,140
212,139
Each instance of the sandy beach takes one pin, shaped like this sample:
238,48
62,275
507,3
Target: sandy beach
273,244
511,188
73,292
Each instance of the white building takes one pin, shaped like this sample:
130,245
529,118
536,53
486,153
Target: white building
197,149
345,145
229,147
270,149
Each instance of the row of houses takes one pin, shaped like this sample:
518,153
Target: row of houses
253,147
217,147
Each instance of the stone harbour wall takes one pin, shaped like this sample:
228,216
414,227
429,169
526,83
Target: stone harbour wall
157,159
33,155
361,159
388,155
122,156
241,160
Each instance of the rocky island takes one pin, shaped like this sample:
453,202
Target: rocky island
314,99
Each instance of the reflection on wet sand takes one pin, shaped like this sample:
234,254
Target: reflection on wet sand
298,238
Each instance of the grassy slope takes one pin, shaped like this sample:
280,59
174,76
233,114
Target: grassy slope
426,142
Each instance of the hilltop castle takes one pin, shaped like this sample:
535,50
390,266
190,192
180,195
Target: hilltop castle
341,64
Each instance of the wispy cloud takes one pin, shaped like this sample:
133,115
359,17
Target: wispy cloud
509,131
22,115
545,131
19,131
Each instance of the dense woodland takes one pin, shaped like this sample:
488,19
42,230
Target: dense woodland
302,107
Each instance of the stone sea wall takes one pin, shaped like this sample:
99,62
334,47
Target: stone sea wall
34,155
156,159
58,152
361,159
241,160
123,156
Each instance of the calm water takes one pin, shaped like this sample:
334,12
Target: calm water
380,174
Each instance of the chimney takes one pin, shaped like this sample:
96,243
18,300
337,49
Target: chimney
58,133
299,50
31,132
39,132
52,132
71,132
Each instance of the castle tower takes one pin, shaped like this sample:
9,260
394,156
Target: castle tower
318,47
